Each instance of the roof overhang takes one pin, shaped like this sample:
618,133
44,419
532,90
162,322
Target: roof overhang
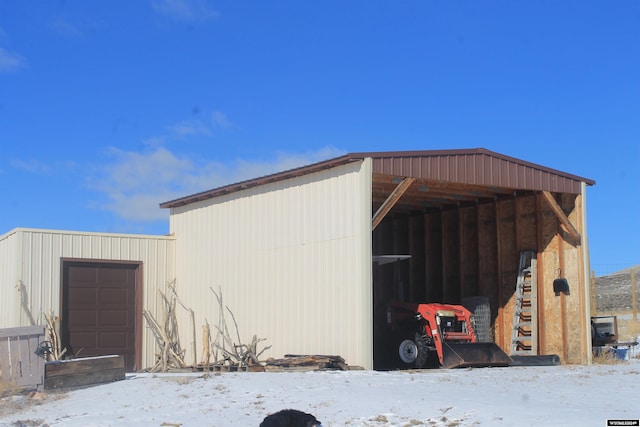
440,178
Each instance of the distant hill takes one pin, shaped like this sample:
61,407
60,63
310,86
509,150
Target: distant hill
613,291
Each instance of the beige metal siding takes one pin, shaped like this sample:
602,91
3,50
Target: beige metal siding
292,260
10,256
33,258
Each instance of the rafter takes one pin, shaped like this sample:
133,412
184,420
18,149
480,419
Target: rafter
390,201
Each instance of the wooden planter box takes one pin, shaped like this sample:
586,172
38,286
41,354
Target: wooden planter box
83,372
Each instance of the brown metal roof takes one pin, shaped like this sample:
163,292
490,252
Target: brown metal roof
443,177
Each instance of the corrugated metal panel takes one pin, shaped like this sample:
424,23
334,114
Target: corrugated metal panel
10,256
475,167
291,259
469,166
33,257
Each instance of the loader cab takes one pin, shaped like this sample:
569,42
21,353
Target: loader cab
448,322
452,327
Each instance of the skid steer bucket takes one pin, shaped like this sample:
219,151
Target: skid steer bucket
462,355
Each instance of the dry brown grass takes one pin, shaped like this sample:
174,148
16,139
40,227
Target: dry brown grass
606,358
7,388
628,329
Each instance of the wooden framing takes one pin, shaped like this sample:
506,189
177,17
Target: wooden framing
561,216
473,250
393,198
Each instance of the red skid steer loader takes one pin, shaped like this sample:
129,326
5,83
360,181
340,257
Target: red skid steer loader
440,335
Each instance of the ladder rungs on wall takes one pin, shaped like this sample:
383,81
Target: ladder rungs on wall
524,333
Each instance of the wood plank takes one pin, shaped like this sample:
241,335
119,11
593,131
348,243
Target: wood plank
391,201
557,210
323,356
84,378
85,365
303,368
19,363
22,331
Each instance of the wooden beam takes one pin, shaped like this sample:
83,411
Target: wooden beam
499,323
542,328
393,198
555,207
82,372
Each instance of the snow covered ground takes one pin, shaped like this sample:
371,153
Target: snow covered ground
515,396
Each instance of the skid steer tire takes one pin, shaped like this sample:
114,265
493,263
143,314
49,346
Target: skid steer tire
407,352
423,350
413,351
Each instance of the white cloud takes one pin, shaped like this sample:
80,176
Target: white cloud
39,167
188,128
154,141
220,120
185,10
65,28
201,126
11,61
31,166
134,184
76,25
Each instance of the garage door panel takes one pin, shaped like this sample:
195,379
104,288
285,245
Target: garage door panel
114,341
114,296
82,319
112,276
99,309
113,318
83,297
82,274
85,343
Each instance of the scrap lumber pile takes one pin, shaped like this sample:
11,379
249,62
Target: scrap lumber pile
54,352
229,354
236,357
225,352
292,362
171,354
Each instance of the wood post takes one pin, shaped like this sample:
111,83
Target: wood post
634,300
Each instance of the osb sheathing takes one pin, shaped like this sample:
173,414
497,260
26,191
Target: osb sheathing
469,261
488,272
508,266
563,332
536,227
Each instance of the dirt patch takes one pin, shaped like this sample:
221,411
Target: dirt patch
22,401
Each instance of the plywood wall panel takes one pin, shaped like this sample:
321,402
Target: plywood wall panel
552,329
574,302
508,259
417,263
526,223
450,254
433,256
469,252
488,256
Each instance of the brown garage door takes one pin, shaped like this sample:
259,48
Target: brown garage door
99,310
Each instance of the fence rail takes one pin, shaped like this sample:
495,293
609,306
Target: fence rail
21,365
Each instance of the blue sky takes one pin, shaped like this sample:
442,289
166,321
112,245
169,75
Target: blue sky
108,108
